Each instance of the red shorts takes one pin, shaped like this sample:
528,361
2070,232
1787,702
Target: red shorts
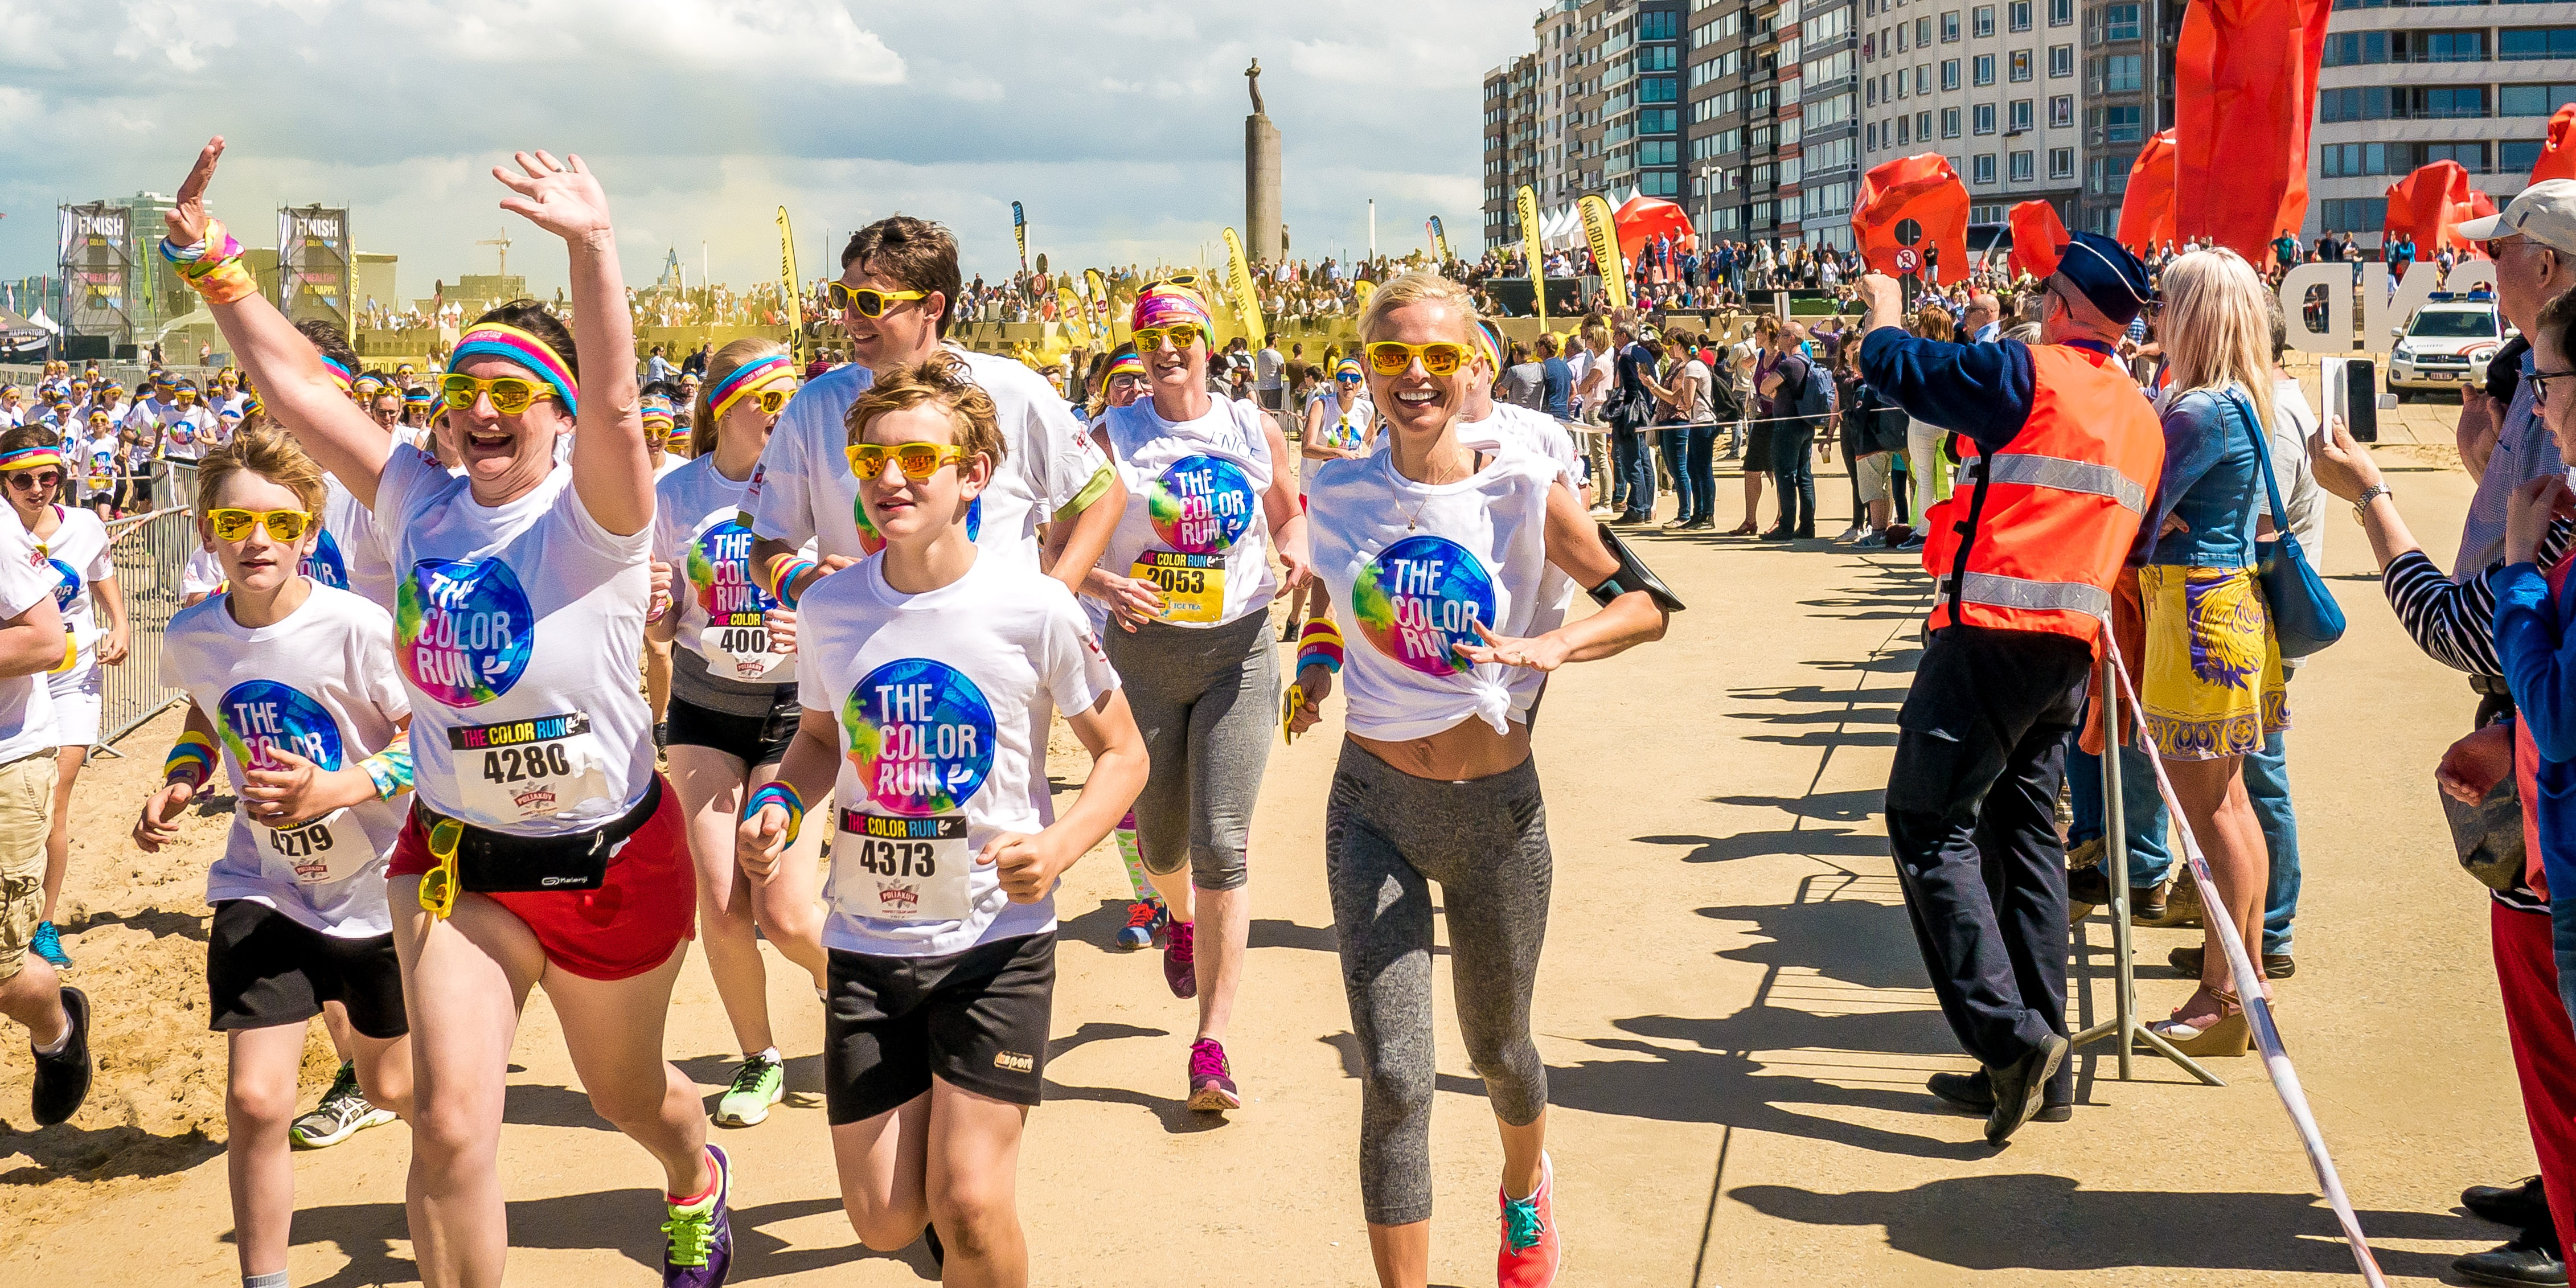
627,926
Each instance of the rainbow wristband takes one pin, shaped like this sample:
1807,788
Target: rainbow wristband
1320,644
390,769
786,592
193,757
784,795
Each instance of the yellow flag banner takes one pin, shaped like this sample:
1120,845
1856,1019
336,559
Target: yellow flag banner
1361,290
1530,252
1247,297
1439,241
787,286
1603,234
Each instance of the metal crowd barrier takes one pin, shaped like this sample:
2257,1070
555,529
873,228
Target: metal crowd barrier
150,552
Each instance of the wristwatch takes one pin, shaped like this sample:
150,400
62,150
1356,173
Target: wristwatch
2361,504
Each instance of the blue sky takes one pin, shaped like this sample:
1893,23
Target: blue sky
1120,125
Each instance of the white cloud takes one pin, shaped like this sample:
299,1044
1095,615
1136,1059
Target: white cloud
1118,122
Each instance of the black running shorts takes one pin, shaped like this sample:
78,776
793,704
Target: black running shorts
978,1019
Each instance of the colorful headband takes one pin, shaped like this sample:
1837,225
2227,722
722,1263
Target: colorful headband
338,371
1166,304
1128,364
1348,367
417,394
745,378
1491,343
28,458
501,340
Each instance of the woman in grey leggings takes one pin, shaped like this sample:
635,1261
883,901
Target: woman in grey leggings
1209,493
1435,553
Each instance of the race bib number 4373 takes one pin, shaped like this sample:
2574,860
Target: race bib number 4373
902,869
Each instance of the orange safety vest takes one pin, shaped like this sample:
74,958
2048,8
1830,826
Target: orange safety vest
2034,535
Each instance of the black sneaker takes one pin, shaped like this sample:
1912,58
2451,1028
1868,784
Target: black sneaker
62,1079
2523,1263
2020,1086
1970,1093
2523,1206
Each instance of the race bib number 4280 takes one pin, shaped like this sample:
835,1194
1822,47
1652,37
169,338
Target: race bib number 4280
524,769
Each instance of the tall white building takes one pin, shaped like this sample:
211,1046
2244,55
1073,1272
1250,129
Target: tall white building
1994,86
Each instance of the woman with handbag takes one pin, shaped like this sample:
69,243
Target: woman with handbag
2213,687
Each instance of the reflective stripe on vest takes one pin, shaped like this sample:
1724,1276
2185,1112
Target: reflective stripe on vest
2089,477
2000,591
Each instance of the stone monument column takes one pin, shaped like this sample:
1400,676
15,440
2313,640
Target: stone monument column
1260,176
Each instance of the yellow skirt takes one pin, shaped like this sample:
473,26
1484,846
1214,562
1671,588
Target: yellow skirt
2213,667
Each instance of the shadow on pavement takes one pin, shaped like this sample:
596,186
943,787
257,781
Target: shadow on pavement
1175,1115
626,1221
1812,842
101,1154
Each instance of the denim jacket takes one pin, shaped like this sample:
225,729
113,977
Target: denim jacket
2212,480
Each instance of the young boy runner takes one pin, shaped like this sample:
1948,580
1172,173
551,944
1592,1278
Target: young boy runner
296,682
917,669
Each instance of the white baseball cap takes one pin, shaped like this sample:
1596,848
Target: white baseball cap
2544,212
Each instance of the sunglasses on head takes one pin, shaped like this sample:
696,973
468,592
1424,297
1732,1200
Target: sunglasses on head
1181,334
510,394
38,480
233,524
866,301
918,461
1439,358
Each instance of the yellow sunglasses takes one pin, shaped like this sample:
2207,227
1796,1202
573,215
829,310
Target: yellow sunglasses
510,394
230,524
918,461
770,399
1182,334
866,301
439,886
1440,357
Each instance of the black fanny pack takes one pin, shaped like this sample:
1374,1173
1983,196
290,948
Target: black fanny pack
489,862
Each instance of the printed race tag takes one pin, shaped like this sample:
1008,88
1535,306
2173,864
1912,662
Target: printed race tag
902,869
1193,585
527,769
739,644
330,848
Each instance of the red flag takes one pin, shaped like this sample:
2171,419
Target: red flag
2558,155
2147,212
2428,204
2037,232
2245,91
1908,206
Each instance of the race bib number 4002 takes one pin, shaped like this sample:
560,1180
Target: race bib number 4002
525,769
737,648
902,869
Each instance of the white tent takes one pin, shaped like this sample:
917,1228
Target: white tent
39,319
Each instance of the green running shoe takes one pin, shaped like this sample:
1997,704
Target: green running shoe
758,1084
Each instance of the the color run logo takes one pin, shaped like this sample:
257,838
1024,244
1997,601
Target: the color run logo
1420,599
720,568
920,737
264,716
67,585
463,629
1200,504
325,564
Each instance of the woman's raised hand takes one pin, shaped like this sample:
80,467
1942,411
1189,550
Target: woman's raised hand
186,221
560,197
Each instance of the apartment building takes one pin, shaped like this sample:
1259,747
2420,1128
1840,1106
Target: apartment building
2127,96
1992,86
1731,119
1596,108
2405,85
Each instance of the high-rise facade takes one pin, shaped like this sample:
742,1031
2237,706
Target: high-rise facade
1596,108
1992,85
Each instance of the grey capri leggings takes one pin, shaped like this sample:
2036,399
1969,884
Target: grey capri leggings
1207,701
1387,836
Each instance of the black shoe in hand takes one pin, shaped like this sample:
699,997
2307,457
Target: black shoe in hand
2523,1206
2523,1263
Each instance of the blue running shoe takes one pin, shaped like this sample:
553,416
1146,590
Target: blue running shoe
1148,925
48,944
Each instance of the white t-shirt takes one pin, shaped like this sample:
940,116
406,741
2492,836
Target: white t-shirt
186,431
1341,428
350,553
96,460
802,489
1412,568
1266,366
697,530
204,574
518,627
1194,523
933,695
78,554
26,702
321,684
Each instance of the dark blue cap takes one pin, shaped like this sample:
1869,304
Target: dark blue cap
2107,274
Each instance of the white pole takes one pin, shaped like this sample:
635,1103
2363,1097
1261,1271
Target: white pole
1372,228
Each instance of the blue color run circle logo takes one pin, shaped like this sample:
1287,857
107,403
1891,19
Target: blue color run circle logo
263,716
325,564
920,736
1200,505
1420,599
67,585
463,629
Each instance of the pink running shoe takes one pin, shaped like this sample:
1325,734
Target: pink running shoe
1180,961
1211,1090
1530,1254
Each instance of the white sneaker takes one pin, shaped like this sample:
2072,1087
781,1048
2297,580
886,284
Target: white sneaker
1857,532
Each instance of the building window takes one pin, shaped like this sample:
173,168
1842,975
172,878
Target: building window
2518,100
2020,65
1903,134
1985,69
2061,111
2061,163
2020,167
2017,119
2119,124
1984,116
2516,45
2120,22
1923,127
1949,26
2061,60
1662,25
1923,31
2017,15
1984,168
1660,183
1922,79
2353,48
2061,13
2517,156
1985,18
1950,122
2120,72
2355,214
1949,73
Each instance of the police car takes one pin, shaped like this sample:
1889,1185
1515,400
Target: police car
2446,344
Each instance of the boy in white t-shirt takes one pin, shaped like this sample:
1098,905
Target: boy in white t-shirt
295,681
918,668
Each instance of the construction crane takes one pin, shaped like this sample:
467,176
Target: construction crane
502,241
